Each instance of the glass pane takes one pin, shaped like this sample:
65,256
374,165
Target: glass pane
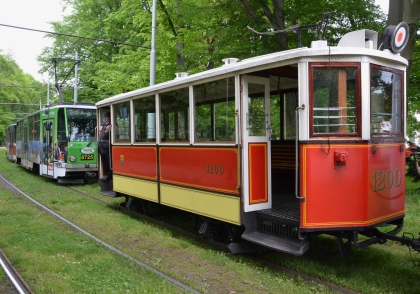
215,111
36,127
122,122
145,119
275,117
334,109
290,116
174,116
386,101
256,118
81,125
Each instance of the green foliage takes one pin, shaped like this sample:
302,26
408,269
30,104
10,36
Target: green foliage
20,93
411,163
413,94
191,36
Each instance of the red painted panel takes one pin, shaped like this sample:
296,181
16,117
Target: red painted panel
208,168
368,189
334,193
258,181
386,174
137,161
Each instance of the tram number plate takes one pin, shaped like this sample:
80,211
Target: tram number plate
86,157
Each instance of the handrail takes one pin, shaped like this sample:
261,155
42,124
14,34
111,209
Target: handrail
297,153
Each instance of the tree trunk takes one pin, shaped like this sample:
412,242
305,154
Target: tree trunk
275,17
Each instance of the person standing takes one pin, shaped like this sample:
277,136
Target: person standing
104,146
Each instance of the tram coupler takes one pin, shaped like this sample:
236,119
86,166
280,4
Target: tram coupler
406,239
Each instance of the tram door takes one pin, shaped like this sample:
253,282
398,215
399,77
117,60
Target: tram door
256,132
47,167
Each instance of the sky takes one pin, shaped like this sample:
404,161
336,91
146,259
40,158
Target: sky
24,46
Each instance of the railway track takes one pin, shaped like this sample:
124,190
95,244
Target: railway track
19,284
109,246
217,245
178,231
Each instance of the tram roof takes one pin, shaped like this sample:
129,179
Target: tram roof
319,52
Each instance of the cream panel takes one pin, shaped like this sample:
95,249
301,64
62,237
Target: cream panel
217,206
136,187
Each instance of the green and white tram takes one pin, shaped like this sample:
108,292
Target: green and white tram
59,142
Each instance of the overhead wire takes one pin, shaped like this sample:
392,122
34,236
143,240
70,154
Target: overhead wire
75,36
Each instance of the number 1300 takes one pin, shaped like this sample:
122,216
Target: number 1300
388,179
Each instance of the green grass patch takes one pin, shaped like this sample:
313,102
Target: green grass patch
53,258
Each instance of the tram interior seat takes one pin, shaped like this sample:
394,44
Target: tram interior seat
283,165
283,156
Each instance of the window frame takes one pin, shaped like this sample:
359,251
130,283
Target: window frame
315,65
395,71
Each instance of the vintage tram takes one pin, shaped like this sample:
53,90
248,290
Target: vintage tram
59,142
11,142
276,149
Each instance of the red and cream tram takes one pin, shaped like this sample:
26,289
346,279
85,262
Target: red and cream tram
280,147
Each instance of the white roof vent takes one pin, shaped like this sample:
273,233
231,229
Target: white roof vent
228,61
362,38
319,44
180,75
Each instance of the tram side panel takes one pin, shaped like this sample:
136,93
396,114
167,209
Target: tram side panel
349,186
199,180
386,178
135,171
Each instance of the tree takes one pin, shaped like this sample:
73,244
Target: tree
344,16
20,93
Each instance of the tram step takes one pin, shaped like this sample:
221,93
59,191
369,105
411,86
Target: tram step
67,181
108,193
283,244
274,233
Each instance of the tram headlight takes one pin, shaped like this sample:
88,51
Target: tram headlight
72,158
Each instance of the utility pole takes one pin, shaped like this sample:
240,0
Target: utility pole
153,51
76,67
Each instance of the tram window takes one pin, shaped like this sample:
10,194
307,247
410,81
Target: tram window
174,116
81,125
215,111
275,117
289,116
61,125
335,99
31,127
122,122
386,102
256,107
145,119
36,127
282,116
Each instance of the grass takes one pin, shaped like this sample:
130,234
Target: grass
53,258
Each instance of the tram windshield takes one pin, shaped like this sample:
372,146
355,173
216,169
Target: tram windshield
386,102
335,99
81,124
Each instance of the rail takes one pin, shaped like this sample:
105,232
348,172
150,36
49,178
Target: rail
334,117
